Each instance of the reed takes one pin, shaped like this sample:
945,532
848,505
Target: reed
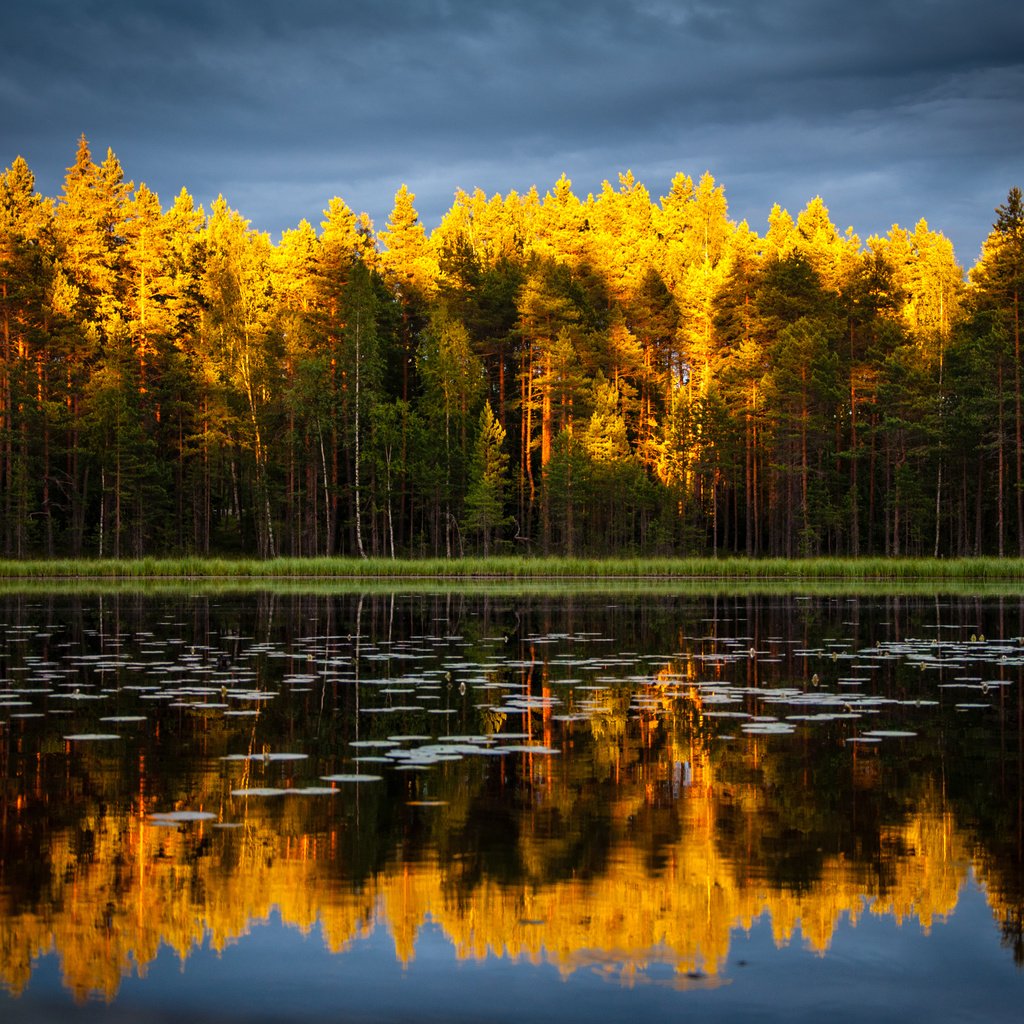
512,568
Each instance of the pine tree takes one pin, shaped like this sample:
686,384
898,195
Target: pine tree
999,283
90,278
622,239
489,482
815,237
569,493
562,232
452,379
121,444
242,345
91,221
409,267
26,253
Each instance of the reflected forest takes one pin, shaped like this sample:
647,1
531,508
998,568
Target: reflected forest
538,374
180,770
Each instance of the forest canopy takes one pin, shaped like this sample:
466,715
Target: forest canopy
599,375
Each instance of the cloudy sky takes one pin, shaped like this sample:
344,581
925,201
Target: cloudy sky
890,110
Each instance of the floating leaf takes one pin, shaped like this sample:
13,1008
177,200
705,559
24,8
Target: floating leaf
354,777
265,757
182,816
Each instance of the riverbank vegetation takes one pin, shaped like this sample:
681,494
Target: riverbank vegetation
512,568
538,375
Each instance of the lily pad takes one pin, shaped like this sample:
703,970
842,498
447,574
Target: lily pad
182,816
265,757
352,777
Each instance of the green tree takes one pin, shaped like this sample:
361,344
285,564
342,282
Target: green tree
390,426
452,381
26,254
488,482
569,491
998,280
362,368
122,445
800,331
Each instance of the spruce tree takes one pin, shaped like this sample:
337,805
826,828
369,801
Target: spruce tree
489,482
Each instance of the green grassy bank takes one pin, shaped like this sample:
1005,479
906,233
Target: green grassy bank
853,569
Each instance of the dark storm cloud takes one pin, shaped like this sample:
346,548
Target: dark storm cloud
890,110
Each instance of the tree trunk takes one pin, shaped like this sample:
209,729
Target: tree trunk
358,496
1001,463
1017,423
854,512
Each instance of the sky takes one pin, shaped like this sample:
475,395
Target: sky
890,110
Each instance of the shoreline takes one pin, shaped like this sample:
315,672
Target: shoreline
695,572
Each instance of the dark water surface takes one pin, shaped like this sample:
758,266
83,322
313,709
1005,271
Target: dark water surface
448,807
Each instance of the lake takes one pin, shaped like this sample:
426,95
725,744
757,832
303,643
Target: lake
510,805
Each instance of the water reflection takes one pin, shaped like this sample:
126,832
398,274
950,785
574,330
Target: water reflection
610,784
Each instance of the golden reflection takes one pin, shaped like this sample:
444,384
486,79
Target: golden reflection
679,874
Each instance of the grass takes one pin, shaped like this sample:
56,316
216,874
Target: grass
693,570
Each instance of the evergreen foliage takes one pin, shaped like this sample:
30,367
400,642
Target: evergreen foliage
544,375
488,482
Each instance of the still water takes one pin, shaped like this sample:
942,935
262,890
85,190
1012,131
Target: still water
510,807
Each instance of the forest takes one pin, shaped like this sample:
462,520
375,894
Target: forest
537,375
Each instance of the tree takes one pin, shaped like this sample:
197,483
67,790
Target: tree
89,227
559,345
616,478
241,340
798,330
407,262
294,265
26,253
998,280
176,381
562,232
362,366
652,318
569,492
452,379
622,239
390,424
121,443
409,267
833,256
192,413
90,222
488,482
